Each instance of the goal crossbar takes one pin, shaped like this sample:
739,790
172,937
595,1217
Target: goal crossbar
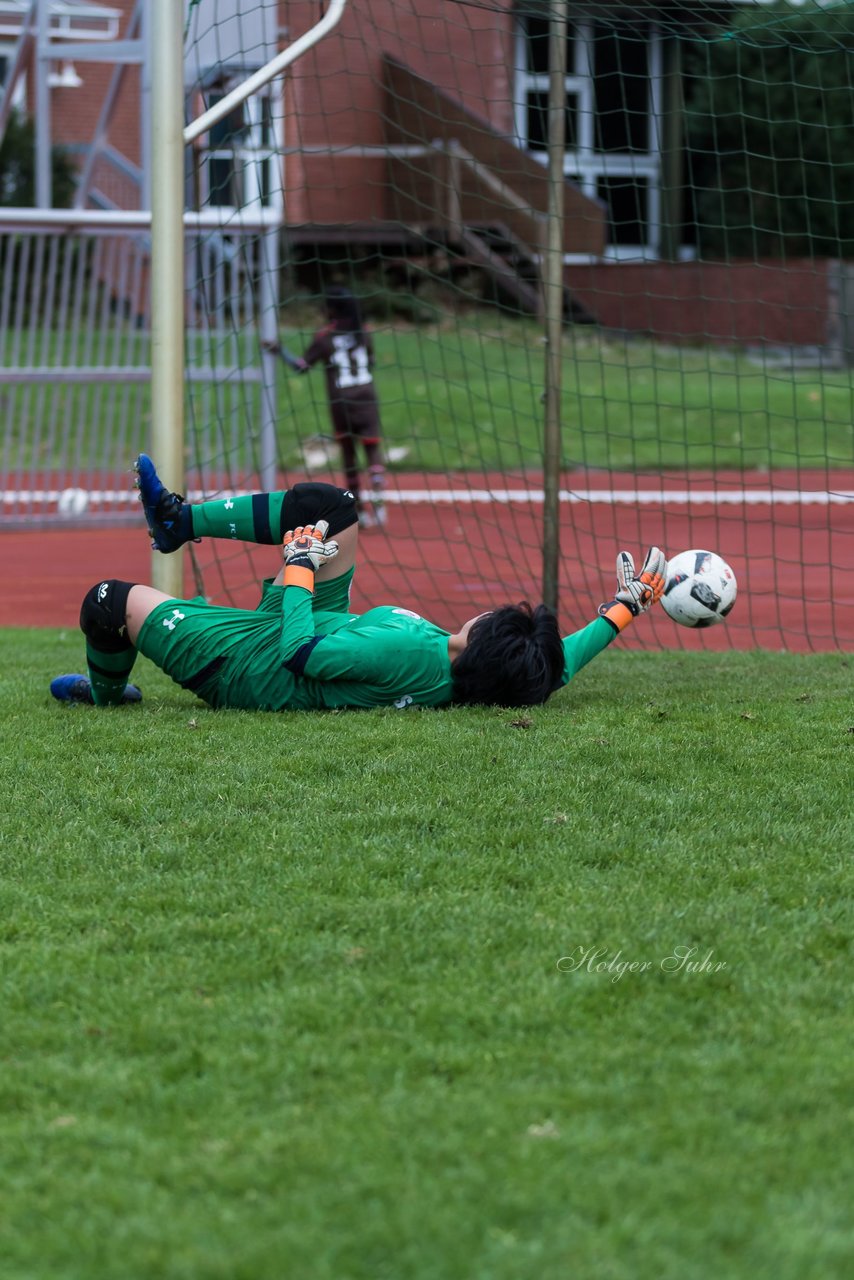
266,73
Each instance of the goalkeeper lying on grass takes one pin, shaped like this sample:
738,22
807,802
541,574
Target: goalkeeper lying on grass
302,647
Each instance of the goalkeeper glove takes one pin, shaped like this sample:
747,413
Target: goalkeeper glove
636,592
305,550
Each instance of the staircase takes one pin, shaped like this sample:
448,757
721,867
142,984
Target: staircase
483,197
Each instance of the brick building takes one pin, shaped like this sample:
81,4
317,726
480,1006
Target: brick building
429,116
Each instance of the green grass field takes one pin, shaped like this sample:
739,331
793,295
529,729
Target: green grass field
466,394
316,995
469,396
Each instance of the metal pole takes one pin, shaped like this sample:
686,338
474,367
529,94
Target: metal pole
15,218
107,109
167,265
672,148
15,69
140,29
273,68
269,332
553,283
44,193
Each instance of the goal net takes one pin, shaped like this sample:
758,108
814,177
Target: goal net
403,162
706,385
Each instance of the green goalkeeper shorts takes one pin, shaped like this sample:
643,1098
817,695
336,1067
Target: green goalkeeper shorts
230,656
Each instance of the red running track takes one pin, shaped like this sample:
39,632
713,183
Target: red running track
450,559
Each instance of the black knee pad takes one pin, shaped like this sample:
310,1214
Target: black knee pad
103,615
310,501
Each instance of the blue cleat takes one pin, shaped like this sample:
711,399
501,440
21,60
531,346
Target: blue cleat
166,514
77,689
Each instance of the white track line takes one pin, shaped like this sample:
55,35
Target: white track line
603,497
630,497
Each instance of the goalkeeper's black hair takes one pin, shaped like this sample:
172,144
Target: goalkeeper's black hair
343,307
513,658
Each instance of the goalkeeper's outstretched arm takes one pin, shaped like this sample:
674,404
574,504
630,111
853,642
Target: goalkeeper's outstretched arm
636,593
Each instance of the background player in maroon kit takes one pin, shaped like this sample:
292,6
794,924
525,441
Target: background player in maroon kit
345,349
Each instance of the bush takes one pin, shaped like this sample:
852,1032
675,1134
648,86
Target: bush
769,121
18,167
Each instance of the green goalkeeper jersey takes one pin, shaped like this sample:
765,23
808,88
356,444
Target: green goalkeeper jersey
290,654
390,656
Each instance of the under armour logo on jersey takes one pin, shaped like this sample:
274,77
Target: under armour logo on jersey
171,623
228,504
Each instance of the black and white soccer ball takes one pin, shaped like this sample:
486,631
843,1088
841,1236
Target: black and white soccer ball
700,589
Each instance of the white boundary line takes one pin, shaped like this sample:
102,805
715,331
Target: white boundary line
629,497
600,497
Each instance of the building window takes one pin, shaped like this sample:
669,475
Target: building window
235,167
537,104
613,94
627,200
621,90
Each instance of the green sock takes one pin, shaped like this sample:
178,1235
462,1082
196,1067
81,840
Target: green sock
255,518
108,673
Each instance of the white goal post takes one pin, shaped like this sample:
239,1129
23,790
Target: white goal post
169,138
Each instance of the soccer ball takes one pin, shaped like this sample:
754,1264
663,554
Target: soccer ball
73,503
700,589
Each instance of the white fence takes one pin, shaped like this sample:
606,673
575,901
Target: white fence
75,359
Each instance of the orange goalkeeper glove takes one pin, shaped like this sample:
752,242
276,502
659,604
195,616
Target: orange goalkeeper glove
636,592
305,550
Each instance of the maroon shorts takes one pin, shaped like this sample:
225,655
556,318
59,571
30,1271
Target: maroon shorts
356,418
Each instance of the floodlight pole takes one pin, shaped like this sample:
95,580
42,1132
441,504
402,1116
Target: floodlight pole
166,67
553,285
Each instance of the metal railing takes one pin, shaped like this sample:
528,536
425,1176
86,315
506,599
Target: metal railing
75,356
